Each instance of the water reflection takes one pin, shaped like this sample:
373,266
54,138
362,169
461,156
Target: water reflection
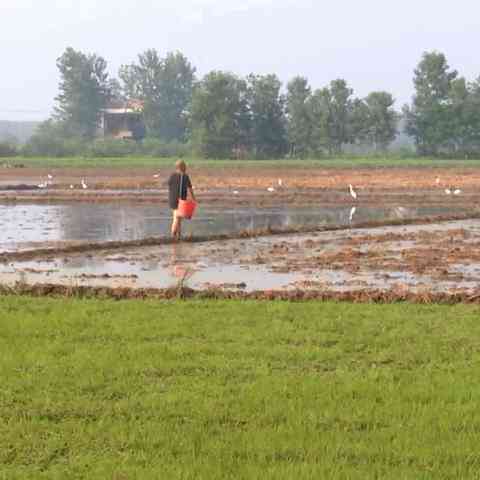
27,225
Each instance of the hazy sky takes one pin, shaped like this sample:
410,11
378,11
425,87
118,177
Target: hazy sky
373,44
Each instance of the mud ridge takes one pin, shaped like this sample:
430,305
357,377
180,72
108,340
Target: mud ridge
125,293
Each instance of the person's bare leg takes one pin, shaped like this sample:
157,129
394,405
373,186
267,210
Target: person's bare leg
174,230
179,228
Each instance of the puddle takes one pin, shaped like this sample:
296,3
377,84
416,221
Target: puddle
160,271
322,261
34,225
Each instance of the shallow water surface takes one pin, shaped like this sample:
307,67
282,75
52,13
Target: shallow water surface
34,225
284,262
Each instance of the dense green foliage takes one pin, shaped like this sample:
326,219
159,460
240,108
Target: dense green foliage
47,143
445,115
219,116
83,92
299,127
267,116
379,122
165,86
244,390
223,115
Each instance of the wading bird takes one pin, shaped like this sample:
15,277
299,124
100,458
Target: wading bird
352,213
353,193
271,189
84,184
448,191
43,185
280,182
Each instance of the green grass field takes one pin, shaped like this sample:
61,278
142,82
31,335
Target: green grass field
237,390
150,162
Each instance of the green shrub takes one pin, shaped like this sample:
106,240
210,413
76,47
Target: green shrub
158,148
52,139
7,149
112,147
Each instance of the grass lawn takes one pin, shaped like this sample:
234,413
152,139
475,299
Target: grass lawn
240,390
150,162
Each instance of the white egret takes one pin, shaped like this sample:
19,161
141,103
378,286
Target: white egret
448,191
353,193
352,213
271,189
457,192
84,184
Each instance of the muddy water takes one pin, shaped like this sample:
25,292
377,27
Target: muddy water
161,267
280,263
35,225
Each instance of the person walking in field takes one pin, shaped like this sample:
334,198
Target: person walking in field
179,186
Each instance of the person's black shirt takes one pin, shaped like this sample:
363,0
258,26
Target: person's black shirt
177,182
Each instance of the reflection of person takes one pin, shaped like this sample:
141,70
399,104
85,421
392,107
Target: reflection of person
179,185
179,269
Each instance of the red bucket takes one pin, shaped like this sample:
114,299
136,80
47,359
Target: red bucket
186,209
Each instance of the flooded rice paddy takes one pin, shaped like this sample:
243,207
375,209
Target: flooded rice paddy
114,234
29,226
436,257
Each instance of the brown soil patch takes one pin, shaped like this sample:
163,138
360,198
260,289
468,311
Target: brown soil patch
376,186
394,295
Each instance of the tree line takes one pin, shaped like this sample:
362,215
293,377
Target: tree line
223,115
444,117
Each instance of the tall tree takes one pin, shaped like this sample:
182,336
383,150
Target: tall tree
266,106
381,120
143,80
474,108
165,85
115,90
427,119
332,117
298,116
340,108
464,117
220,121
358,122
176,95
319,117
83,91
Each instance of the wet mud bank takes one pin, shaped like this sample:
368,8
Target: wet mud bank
436,262
125,293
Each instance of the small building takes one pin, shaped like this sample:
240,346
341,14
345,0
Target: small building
122,120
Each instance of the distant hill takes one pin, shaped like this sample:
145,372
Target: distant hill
16,131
